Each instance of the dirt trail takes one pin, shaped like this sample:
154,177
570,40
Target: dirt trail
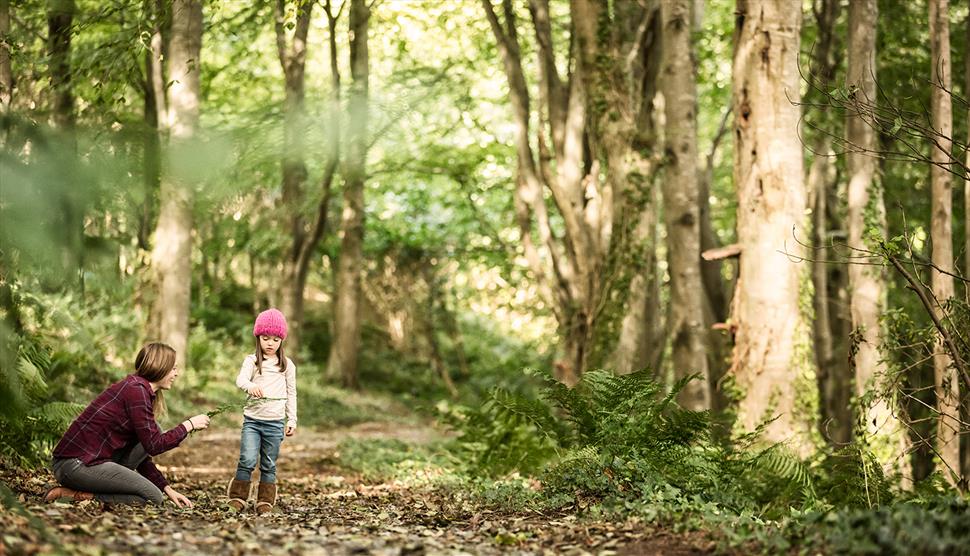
323,509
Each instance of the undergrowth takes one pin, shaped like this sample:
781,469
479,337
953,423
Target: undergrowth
619,446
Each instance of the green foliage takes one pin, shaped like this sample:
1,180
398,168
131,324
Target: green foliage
390,459
935,526
853,478
501,435
619,445
31,424
56,349
609,435
622,441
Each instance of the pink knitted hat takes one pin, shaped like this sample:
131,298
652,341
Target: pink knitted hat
270,322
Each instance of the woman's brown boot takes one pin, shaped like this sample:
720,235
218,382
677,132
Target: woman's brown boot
238,493
59,492
265,497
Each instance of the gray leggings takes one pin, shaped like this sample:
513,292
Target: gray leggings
112,482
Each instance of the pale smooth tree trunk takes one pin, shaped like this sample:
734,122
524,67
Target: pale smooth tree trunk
941,233
680,191
882,430
346,332
171,255
772,359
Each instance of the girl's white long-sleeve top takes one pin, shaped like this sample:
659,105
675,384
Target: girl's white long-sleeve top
274,384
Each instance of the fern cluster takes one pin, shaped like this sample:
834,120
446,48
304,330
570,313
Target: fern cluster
625,439
31,423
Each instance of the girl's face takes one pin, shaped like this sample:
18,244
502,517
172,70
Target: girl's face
168,379
270,344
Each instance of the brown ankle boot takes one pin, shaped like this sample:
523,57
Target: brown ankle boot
265,498
238,493
59,492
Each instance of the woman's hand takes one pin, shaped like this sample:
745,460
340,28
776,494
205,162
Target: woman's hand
290,430
255,392
179,498
197,422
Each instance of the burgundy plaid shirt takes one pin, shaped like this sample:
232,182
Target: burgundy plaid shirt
121,416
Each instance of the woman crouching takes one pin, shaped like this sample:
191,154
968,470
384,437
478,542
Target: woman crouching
106,453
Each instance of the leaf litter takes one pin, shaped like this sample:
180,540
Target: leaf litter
323,509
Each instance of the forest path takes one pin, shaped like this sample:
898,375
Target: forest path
323,509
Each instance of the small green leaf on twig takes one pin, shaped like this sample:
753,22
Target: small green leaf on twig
231,406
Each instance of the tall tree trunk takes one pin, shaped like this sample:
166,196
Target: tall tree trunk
435,303
6,71
589,155
346,334
60,20
834,377
155,110
155,116
171,256
716,289
292,58
623,139
305,241
681,206
867,284
770,360
60,24
941,233
453,329
639,337
965,450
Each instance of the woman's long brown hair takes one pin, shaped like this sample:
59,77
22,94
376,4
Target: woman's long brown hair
153,362
280,357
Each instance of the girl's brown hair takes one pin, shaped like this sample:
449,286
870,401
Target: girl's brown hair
280,358
153,362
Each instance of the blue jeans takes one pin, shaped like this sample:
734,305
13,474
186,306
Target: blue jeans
259,439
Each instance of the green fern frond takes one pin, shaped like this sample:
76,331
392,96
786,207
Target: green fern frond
532,412
788,467
35,354
31,378
852,476
58,413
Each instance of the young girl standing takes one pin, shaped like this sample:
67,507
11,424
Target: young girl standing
267,373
